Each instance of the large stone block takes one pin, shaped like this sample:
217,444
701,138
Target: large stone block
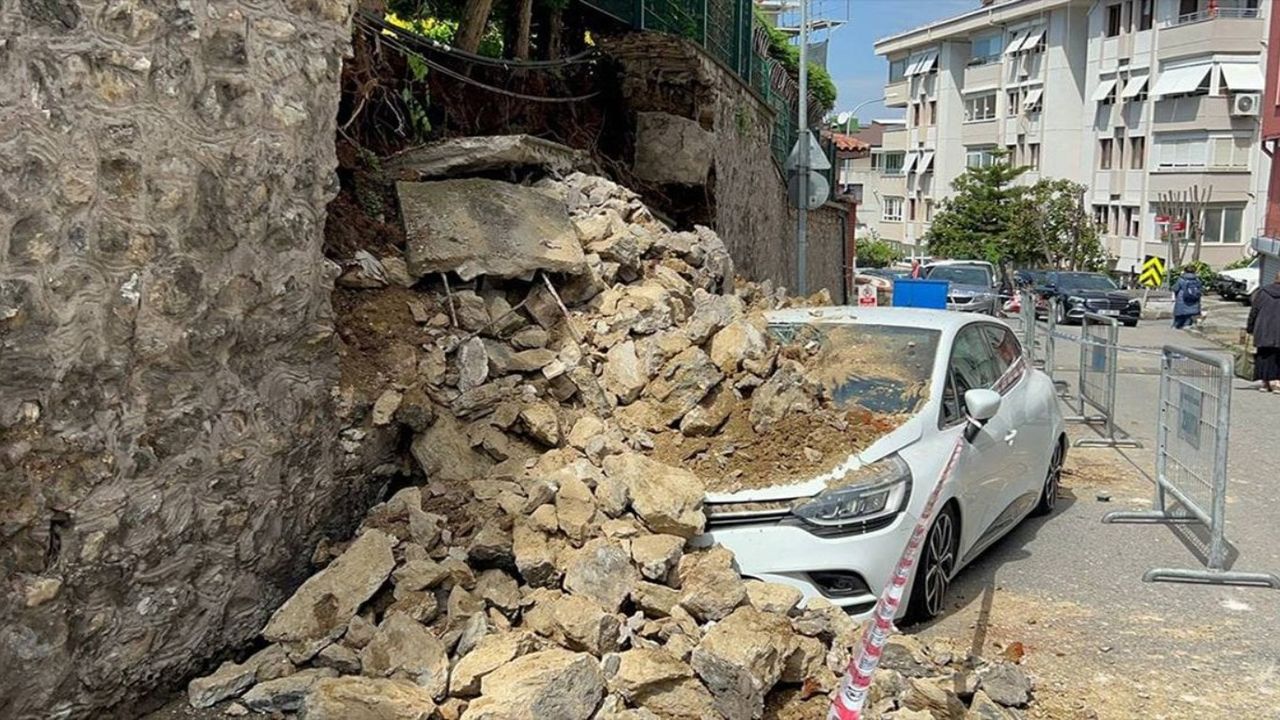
672,149
478,227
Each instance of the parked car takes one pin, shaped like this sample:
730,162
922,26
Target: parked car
1088,292
1240,283
839,535
973,285
1030,278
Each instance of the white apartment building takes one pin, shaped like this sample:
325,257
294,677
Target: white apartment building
1132,98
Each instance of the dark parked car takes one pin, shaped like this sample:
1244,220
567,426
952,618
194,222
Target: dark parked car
1081,292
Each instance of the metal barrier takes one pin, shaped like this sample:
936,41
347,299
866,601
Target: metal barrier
1096,382
1192,431
1027,315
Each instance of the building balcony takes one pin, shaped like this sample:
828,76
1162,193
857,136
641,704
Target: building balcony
981,77
980,132
896,94
1198,112
1226,186
1226,30
895,140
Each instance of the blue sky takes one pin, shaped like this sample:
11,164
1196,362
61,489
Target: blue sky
858,72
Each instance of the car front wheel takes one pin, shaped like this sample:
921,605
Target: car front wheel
1052,481
933,570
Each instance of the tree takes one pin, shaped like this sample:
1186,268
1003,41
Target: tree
1053,228
1187,206
977,222
876,253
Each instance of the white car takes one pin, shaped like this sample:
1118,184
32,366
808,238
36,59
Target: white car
839,535
1240,283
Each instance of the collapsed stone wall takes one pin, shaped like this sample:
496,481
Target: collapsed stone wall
166,434
665,74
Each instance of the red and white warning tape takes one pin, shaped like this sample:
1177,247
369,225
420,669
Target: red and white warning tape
849,699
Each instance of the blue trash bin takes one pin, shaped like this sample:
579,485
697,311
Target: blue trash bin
921,293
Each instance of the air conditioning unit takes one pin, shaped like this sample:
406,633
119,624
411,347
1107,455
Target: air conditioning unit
1245,104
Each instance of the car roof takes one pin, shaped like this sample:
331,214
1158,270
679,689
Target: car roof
937,263
941,320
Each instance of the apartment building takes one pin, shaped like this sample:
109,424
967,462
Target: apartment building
858,174
1132,98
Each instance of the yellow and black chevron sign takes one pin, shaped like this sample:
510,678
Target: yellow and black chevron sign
1152,272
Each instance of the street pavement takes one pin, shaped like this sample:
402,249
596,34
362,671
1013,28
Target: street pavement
1067,590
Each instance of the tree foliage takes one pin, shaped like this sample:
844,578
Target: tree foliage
876,253
821,87
992,218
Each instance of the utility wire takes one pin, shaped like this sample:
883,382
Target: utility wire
414,38
397,45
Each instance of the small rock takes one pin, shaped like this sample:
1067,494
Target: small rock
340,658
359,698
623,376
927,695
404,648
541,424
773,597
667,499
741,658
984,708
602,571
384,408
285,694
42,590
575,508
473,364
1006,684
228,681
710,588
419,575
657,555
530,338
492,652
543,685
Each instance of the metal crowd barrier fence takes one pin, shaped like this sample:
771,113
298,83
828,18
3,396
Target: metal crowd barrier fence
1096,382
1027,315
1192,432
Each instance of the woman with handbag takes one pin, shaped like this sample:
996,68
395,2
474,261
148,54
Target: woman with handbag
1264,326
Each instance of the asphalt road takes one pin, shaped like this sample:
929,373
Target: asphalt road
1068,590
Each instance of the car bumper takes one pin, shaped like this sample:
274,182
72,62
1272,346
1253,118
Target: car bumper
1076,312
981,306
789,555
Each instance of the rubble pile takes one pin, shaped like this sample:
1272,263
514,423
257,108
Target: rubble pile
542,565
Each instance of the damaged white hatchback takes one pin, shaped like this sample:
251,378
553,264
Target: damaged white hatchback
940,375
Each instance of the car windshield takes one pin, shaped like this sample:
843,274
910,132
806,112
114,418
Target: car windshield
882,368
961,274
1084,281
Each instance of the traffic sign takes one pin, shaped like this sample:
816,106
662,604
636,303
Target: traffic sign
817,158
817,190
1152,272
867,296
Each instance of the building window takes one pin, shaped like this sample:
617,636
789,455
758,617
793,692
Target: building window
897,70
928,210
1012,99
933,112
1033,156
875,161
985,49
1222,224
891,163
980,157
1146,10
1137,153
915,114
1135,222
1118,148
1104,154
1113,20
1221,152
980,107
911,209
892,209
1100,217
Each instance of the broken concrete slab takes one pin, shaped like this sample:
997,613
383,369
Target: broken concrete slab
479,227
472,155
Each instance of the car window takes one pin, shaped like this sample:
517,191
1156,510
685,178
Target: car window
973,365
1004,345
961,274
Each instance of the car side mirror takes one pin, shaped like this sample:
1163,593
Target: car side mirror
980,406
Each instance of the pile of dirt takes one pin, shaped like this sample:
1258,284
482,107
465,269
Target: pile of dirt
566,407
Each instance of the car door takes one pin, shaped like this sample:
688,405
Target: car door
983,472
1026,439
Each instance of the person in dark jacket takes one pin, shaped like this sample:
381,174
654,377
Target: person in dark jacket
1264,326
1187,292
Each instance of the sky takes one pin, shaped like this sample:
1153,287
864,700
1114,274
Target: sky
858,72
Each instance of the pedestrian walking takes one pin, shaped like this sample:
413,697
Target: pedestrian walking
1187,292
1264,326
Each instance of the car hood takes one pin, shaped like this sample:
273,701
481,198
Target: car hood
1242,274
958,289
889,443
1098,294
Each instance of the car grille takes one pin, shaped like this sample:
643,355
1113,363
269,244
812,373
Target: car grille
746,513
960,299
1106,304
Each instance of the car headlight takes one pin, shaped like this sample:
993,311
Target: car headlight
867,494
1075,300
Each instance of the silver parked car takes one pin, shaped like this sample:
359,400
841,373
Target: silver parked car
973,285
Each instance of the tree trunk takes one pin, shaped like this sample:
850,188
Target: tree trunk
524,21
555,33
475,17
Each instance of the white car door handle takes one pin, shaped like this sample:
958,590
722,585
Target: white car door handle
1010,436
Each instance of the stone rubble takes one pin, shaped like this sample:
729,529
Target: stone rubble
541,567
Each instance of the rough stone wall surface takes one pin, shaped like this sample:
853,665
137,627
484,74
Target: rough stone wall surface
662,73
166,434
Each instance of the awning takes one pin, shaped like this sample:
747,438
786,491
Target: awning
926,162
908,163
1016,43
1241,77
1032,99
1134,87
1033,39
1104,90
922,63
1181,80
